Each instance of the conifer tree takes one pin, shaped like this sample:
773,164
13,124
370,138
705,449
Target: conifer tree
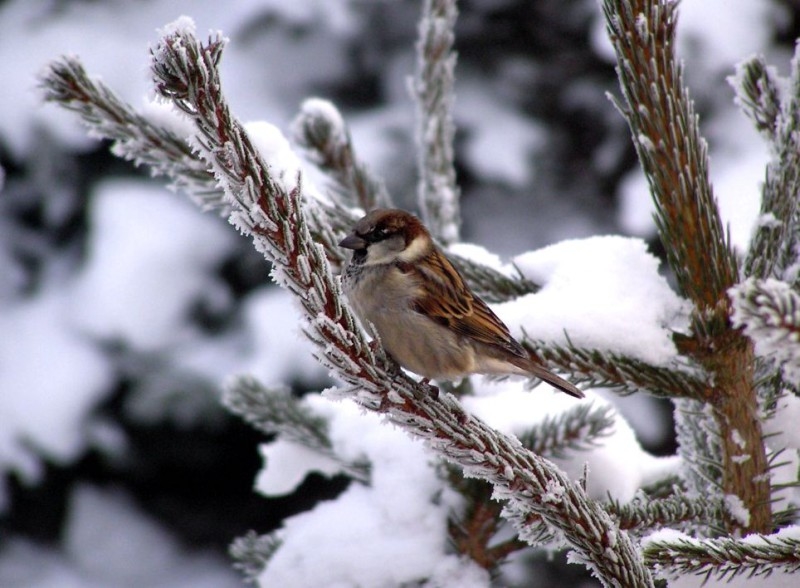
721,514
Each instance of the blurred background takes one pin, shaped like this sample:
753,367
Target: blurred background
123,308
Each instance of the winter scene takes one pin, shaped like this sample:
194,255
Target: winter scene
394,293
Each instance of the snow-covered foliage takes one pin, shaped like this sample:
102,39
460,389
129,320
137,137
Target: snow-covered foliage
769,312
150,314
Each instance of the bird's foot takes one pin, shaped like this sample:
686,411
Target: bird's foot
434,390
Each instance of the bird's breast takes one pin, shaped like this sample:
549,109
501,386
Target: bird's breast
383,299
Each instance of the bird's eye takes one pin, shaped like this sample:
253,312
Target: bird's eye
380,233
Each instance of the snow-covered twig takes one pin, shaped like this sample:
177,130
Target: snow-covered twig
136,137
725,558
769,312
185,72
277,412
758,93
701,448
252,553
576,429
432,88
320,129
678,511
147,140
774,105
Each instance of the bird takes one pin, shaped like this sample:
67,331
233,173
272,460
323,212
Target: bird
404,289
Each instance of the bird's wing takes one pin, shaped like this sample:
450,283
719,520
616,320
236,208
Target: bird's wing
446,299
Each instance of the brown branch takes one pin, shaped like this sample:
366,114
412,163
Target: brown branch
674,157
673,154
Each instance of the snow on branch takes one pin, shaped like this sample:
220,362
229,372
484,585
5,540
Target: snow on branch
277,412
273,215
769,312
725,558
432,88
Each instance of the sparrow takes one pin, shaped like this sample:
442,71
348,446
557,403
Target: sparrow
403,288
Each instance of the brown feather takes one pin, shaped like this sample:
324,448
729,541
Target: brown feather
447,300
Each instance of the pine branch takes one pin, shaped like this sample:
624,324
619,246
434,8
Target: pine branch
473,530
432,89
664,487
758,94
779,459
252,553
773,248
186,73
577,429
644,514
701,449
674,158
671,150
135,137
769,312
623,374
144,141
277,412
147,141
678,511
320,129
725,558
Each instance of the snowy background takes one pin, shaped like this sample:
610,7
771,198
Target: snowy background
123,308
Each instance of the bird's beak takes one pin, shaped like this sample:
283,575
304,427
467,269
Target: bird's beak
352,241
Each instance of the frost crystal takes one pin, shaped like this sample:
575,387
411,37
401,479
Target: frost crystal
554,492
769,311
737,509
737,438
645,142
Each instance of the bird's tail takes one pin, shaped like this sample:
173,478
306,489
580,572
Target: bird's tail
541,372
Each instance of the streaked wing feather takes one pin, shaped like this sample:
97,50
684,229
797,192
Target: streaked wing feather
448,300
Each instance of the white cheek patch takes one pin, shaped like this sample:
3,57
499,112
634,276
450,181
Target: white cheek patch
380,253
415,250
386,251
